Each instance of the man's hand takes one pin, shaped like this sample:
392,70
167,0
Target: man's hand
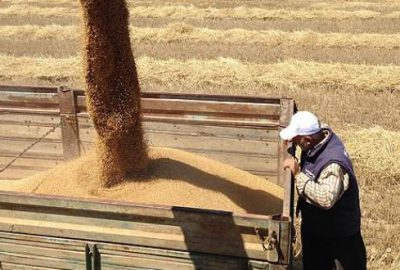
291,163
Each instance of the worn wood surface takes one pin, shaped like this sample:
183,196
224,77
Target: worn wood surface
69,123
44,232
239,131
169,228
117,256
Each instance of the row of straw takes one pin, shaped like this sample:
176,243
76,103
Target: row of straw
193,12
222,72
185,33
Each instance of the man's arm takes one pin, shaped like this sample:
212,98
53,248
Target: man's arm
325,192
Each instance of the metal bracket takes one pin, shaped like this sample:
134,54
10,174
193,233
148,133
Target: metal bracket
92,257
270,241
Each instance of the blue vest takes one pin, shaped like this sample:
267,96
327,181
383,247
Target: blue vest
343,219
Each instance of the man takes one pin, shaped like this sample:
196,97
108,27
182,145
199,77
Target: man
328,197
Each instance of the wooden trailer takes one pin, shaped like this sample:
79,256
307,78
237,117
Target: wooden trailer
43,126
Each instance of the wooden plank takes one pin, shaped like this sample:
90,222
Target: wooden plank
216,144
285,178
42,148
172,259
154,258
43,253
43,262
42,241
148,98
212,97
30,111
209,107
12,266
254,162
210,120
29,119
143,262
28,88
69,124
15,173
31,162
32,100
28,132
87,131
36,156
288,107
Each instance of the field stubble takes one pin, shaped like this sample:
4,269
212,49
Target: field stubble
183,41
361,102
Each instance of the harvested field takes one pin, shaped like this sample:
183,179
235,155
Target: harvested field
290,75
192,12
174,178
185,33
338,59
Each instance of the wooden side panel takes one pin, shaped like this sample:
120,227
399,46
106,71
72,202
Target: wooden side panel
240,131
248,148
111,256
40,253
20,130
163,227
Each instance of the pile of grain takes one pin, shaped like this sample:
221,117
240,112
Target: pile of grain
173,177
112,90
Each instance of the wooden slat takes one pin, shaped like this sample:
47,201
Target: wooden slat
286,180
16,173
215,144
209,107
44,148
29,119
206,144
35,261
33,100
12,266
46,253
28,132
30,111
211,120
30,162
28,89
242,101
87,131
42,241
36,156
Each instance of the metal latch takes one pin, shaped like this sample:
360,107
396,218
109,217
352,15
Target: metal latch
92,257
270,237
269,241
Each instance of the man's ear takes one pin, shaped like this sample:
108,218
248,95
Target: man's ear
308,139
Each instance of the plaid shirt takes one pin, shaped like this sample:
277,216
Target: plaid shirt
324,193
327,190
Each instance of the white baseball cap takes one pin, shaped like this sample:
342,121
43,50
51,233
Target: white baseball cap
302,123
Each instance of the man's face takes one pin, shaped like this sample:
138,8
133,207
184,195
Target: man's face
303,141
